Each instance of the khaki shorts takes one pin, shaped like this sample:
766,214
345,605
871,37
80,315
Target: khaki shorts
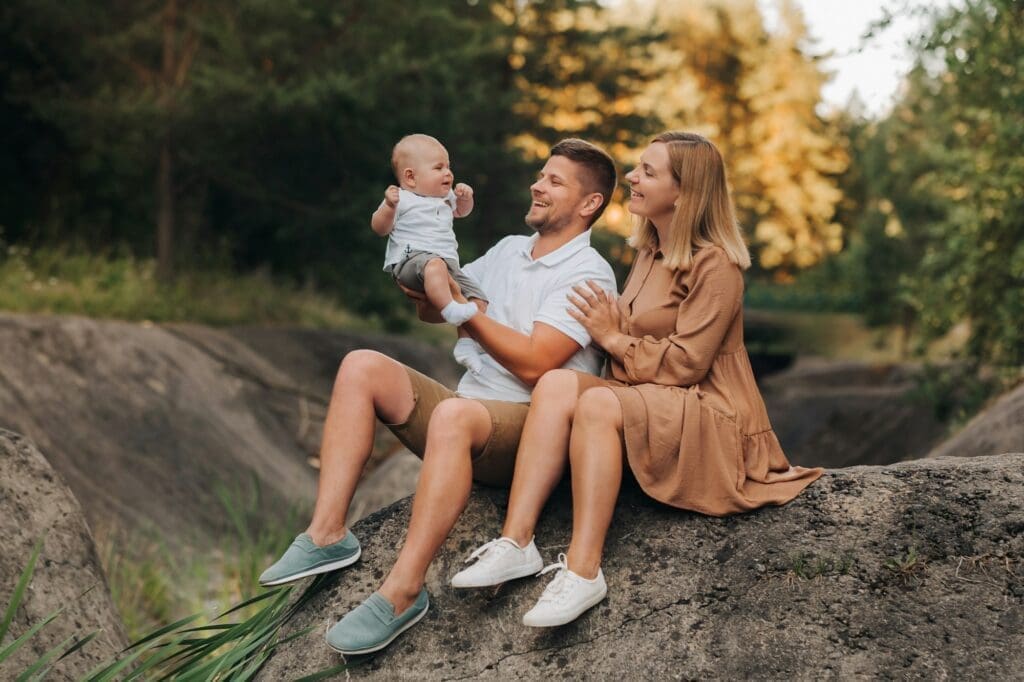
495,462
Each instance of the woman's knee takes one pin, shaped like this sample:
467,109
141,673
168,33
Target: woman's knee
599,406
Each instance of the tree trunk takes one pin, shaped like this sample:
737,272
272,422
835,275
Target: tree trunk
165,171
165,213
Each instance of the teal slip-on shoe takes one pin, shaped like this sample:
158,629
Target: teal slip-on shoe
304,558
372,625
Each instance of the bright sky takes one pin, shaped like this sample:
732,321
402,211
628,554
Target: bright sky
876,71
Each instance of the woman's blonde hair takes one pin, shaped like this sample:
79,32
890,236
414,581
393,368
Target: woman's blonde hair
704,215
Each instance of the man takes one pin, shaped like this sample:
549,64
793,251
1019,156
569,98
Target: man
472,433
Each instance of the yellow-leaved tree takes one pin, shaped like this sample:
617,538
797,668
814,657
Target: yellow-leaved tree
754,92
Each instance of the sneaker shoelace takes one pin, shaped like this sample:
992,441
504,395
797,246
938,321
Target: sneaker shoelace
499,546
558,589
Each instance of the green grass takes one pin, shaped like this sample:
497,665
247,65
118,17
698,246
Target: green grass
153,584
121,287
808,566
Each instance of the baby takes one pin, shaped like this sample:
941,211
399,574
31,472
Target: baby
422,250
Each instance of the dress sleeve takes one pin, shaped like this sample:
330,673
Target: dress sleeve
702,321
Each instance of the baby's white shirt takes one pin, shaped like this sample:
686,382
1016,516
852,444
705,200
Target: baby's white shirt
422,224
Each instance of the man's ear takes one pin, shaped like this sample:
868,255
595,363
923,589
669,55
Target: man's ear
592,204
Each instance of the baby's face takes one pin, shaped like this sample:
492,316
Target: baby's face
431,175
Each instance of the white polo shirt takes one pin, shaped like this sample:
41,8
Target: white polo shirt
522,291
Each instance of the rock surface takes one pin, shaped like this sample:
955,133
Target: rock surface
35,504
149,424
840,413
1000,428
912,570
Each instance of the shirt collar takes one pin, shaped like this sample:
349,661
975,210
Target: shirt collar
562,253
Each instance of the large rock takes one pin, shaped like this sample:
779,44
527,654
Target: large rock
912,570
1000,428
149,425
36,505
843,413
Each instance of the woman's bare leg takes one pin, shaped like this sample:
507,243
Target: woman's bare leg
543,452
368,385
458,428
595,455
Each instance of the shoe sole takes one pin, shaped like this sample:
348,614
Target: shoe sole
565,621
326,568
504,579
389,640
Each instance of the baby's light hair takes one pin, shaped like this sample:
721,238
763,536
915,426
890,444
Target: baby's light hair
407,147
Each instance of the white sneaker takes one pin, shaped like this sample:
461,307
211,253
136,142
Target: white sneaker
566,597
499,561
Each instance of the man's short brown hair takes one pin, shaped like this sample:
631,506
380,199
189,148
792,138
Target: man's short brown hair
599,169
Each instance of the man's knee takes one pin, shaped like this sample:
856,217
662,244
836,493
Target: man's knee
457,421
361,366
599,405
559,386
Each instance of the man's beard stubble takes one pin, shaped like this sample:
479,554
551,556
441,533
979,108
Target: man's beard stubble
547,226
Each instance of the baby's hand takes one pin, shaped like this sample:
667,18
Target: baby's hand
391,195
463,190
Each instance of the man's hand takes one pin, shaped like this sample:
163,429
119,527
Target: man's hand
424,310
391,195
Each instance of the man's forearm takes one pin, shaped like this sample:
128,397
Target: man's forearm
513,350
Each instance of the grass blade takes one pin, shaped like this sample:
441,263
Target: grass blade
19,590
43,662
253,600
16,644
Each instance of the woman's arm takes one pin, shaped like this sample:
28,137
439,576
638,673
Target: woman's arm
684,357
703,320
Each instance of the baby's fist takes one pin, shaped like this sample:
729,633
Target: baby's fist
463,190
391,196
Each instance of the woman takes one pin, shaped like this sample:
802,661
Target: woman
680,401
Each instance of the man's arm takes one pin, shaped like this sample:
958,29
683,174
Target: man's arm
527,357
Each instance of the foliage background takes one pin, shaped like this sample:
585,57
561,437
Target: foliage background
203,138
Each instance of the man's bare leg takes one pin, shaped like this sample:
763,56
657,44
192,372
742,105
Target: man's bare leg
458,428
368,385
543,452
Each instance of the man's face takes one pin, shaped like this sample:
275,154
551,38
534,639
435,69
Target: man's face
557,195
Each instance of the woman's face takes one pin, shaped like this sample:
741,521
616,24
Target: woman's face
653,190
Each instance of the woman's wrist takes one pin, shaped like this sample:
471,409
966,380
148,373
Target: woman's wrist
615,344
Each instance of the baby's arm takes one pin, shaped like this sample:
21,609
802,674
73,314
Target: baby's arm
463,200
383,220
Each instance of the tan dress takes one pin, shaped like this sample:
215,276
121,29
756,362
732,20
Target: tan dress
696,430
